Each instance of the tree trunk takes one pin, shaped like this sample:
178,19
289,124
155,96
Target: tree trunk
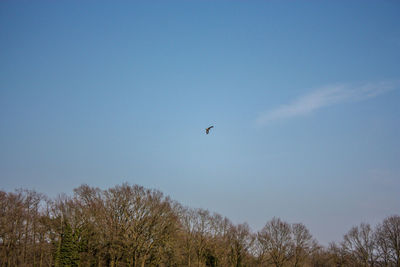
34,244
41,258
143,261
26,237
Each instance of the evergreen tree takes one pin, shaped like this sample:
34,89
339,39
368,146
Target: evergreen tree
68,251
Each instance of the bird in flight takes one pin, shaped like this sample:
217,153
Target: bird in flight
208,129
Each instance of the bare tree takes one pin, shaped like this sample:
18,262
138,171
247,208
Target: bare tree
389,238
187,221
359,241
11,227
322,257
19,227
221,232
275,242
134,226
240,242
384,254
303,244
202,229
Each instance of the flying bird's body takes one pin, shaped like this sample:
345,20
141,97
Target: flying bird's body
208,129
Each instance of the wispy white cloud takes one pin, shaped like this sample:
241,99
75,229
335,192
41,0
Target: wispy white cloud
323,97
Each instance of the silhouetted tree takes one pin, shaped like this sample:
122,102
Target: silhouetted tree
302,244
275,242
240,242
360,243
134,226
389,239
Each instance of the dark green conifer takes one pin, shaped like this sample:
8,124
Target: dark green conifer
68,251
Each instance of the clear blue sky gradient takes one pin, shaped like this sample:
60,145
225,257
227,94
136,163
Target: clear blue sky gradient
110,92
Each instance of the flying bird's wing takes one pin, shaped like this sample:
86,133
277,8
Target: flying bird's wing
208,129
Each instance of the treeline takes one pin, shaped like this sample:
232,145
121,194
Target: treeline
134,226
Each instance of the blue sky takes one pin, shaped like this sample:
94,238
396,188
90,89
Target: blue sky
304,97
